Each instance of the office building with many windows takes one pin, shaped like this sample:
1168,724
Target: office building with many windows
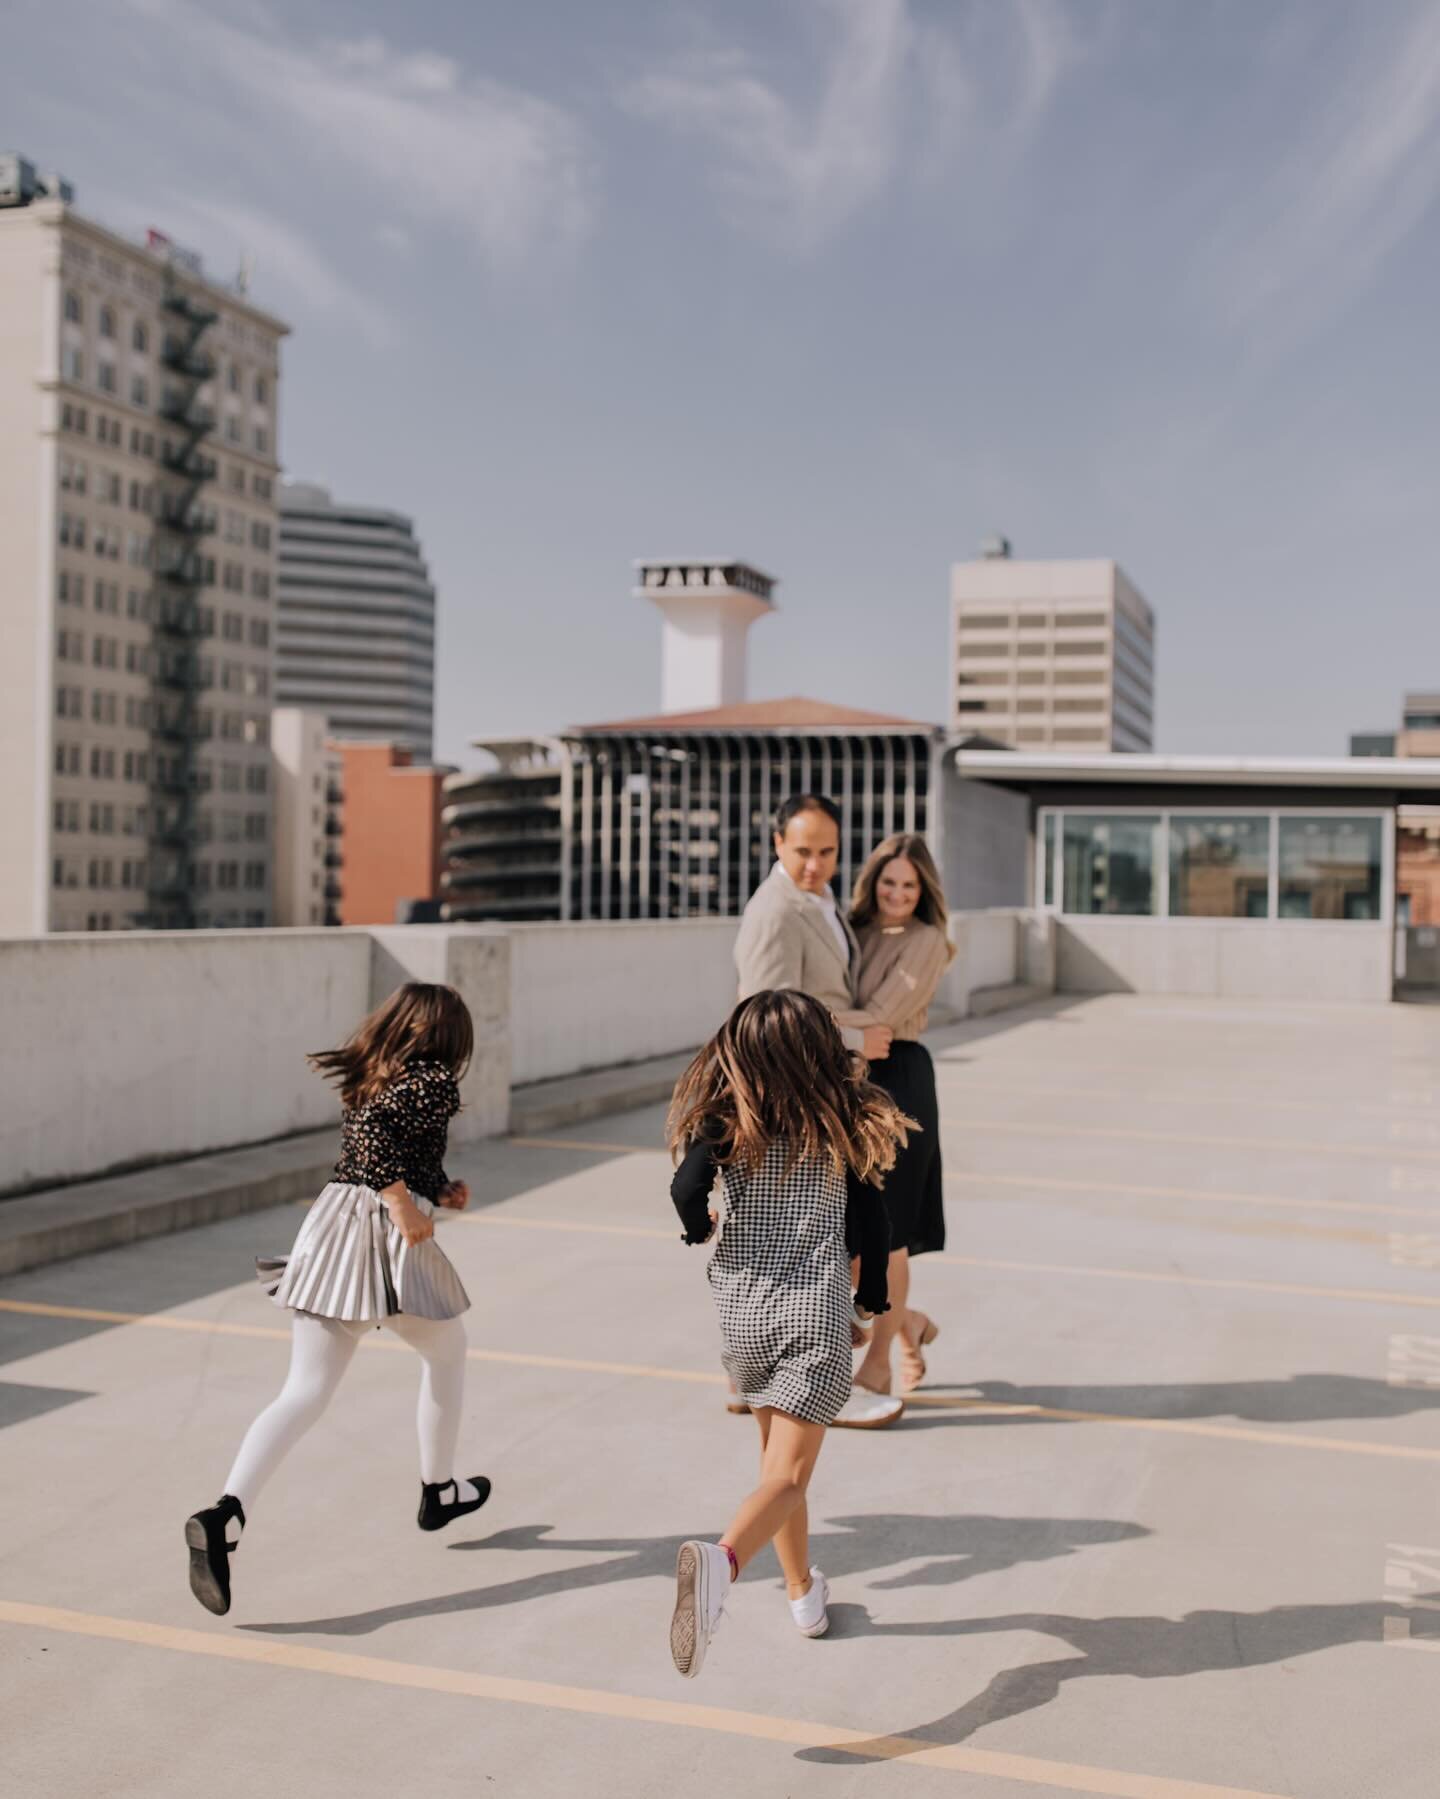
1051,655
355,619
139,406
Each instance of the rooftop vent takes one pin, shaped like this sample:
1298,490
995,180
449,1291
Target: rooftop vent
996,548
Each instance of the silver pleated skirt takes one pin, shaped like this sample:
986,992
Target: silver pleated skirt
348,1261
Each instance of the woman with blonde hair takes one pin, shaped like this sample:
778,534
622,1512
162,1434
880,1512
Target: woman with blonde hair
899,915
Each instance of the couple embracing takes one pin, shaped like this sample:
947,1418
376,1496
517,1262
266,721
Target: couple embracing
877,970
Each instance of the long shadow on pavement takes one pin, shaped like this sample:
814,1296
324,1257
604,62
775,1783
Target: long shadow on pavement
1140,1648
958,1549
1302,1399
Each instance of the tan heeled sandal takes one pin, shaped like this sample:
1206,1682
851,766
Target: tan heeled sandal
912,1364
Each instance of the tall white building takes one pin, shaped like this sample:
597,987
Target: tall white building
139,407
1051,655
356,619
306,772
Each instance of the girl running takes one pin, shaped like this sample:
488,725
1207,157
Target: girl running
366,1256
779,1107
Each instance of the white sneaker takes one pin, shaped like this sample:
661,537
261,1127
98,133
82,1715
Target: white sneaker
809,1613
702,1574
865,1410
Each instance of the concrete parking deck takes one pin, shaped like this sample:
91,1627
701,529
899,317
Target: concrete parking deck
1163,1524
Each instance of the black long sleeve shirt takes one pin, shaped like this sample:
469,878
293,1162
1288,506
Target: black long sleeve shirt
401,1133
867,1228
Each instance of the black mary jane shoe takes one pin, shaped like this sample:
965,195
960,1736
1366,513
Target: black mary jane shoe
210,1553
436,1511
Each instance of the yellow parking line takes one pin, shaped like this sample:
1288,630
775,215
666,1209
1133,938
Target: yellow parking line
1188,1427
376,1339
1063,1184
1160,1277
1305,1146
1228,1284
1060,1184
791,1733
709,1378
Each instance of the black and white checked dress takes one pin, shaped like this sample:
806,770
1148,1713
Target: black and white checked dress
780,1278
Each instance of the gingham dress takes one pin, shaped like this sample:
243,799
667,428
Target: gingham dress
780,1277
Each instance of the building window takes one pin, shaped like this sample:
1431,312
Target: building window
1048,878
1111,864
1330,868
72,364
107,321
105,377
262,441
139,339
1219,867
74,307
139,391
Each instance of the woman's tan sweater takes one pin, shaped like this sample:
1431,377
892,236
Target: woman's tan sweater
899,971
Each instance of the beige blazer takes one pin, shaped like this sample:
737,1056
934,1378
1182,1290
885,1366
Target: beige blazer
785,941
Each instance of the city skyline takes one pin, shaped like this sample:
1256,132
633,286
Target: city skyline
843,286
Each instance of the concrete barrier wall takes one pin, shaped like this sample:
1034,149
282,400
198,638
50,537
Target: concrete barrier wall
1304,959
986,955
146,1047
592,995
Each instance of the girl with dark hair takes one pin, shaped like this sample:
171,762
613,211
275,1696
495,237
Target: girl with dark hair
366,1256
900,918
779,1108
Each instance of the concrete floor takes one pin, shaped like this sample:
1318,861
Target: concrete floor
1162,1526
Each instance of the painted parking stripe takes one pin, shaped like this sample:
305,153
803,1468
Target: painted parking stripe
1062,1184
791,1733
380,1340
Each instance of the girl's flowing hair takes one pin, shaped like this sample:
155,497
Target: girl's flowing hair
777,1068
419,1022
931,908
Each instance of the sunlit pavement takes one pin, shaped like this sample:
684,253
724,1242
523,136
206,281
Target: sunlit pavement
1162,1523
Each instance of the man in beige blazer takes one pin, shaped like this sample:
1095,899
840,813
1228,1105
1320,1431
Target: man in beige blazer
794,935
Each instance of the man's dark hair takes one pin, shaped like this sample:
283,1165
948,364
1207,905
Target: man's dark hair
805,802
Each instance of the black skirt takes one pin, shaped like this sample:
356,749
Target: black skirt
914,1190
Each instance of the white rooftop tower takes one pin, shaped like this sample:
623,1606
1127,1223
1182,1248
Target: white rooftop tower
709,607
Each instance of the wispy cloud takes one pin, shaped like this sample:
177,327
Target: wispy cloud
287,261
1353,189
797,173
505,170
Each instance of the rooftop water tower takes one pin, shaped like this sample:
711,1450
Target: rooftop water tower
709,607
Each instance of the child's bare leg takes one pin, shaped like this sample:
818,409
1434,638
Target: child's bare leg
789,1450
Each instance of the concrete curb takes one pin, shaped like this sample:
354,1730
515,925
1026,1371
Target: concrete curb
62,1222
550,1105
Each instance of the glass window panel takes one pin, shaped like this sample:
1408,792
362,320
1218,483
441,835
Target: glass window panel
1110,864
1330,867
1219,867
1049,865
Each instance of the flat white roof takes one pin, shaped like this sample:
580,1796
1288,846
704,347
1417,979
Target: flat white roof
1217,771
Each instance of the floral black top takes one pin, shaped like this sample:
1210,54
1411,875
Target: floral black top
400,1134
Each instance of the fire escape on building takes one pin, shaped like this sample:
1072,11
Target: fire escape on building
182,522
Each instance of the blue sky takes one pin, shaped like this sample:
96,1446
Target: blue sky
838,286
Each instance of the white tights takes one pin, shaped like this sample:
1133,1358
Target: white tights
320,1353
